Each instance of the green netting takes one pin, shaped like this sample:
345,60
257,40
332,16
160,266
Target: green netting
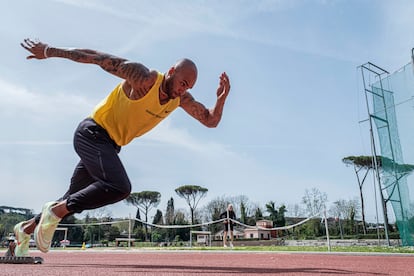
393,103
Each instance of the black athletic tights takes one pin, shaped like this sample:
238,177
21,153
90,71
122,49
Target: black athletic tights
99,178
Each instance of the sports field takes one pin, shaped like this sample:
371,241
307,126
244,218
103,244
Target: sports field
223,262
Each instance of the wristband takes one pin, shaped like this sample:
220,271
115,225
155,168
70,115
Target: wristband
45,51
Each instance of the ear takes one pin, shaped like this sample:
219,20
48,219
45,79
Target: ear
171,71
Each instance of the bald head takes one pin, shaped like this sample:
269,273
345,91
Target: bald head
181,77
187,67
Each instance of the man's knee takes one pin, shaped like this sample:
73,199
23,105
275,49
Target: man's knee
121,192
125,193
125,188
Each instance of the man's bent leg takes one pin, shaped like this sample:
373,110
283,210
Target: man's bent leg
94,196
99,156
80,180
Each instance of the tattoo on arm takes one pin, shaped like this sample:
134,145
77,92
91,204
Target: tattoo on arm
133,72
208,117
199,111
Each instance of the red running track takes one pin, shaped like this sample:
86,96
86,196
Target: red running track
141,262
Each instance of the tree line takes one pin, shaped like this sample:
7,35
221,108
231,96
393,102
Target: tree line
345,213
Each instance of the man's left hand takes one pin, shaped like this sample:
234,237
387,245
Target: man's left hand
224,86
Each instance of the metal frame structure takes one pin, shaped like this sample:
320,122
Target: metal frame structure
379,74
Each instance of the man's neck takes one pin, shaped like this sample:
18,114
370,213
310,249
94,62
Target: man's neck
164,98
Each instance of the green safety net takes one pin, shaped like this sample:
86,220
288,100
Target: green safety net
393,114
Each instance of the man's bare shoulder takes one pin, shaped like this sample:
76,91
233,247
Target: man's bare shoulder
138,86
144,78
152,75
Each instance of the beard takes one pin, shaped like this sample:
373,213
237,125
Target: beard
169,91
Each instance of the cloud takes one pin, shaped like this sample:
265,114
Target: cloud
20,102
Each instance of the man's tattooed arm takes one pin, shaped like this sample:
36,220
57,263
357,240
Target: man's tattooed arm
137,75
208,117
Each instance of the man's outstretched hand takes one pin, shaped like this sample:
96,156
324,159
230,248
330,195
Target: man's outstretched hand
37,48
224,86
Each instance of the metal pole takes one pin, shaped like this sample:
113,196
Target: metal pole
373,148
412,58
376,206
129,232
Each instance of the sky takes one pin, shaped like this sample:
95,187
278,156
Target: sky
293,112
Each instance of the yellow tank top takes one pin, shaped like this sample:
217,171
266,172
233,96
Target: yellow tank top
124,119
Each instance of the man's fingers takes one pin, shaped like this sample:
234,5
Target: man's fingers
24,46
29,42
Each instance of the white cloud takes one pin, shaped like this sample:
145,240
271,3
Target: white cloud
20,102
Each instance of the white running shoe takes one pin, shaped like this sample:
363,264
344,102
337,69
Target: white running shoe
44,231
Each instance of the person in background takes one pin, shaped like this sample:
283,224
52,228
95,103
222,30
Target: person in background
228,224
